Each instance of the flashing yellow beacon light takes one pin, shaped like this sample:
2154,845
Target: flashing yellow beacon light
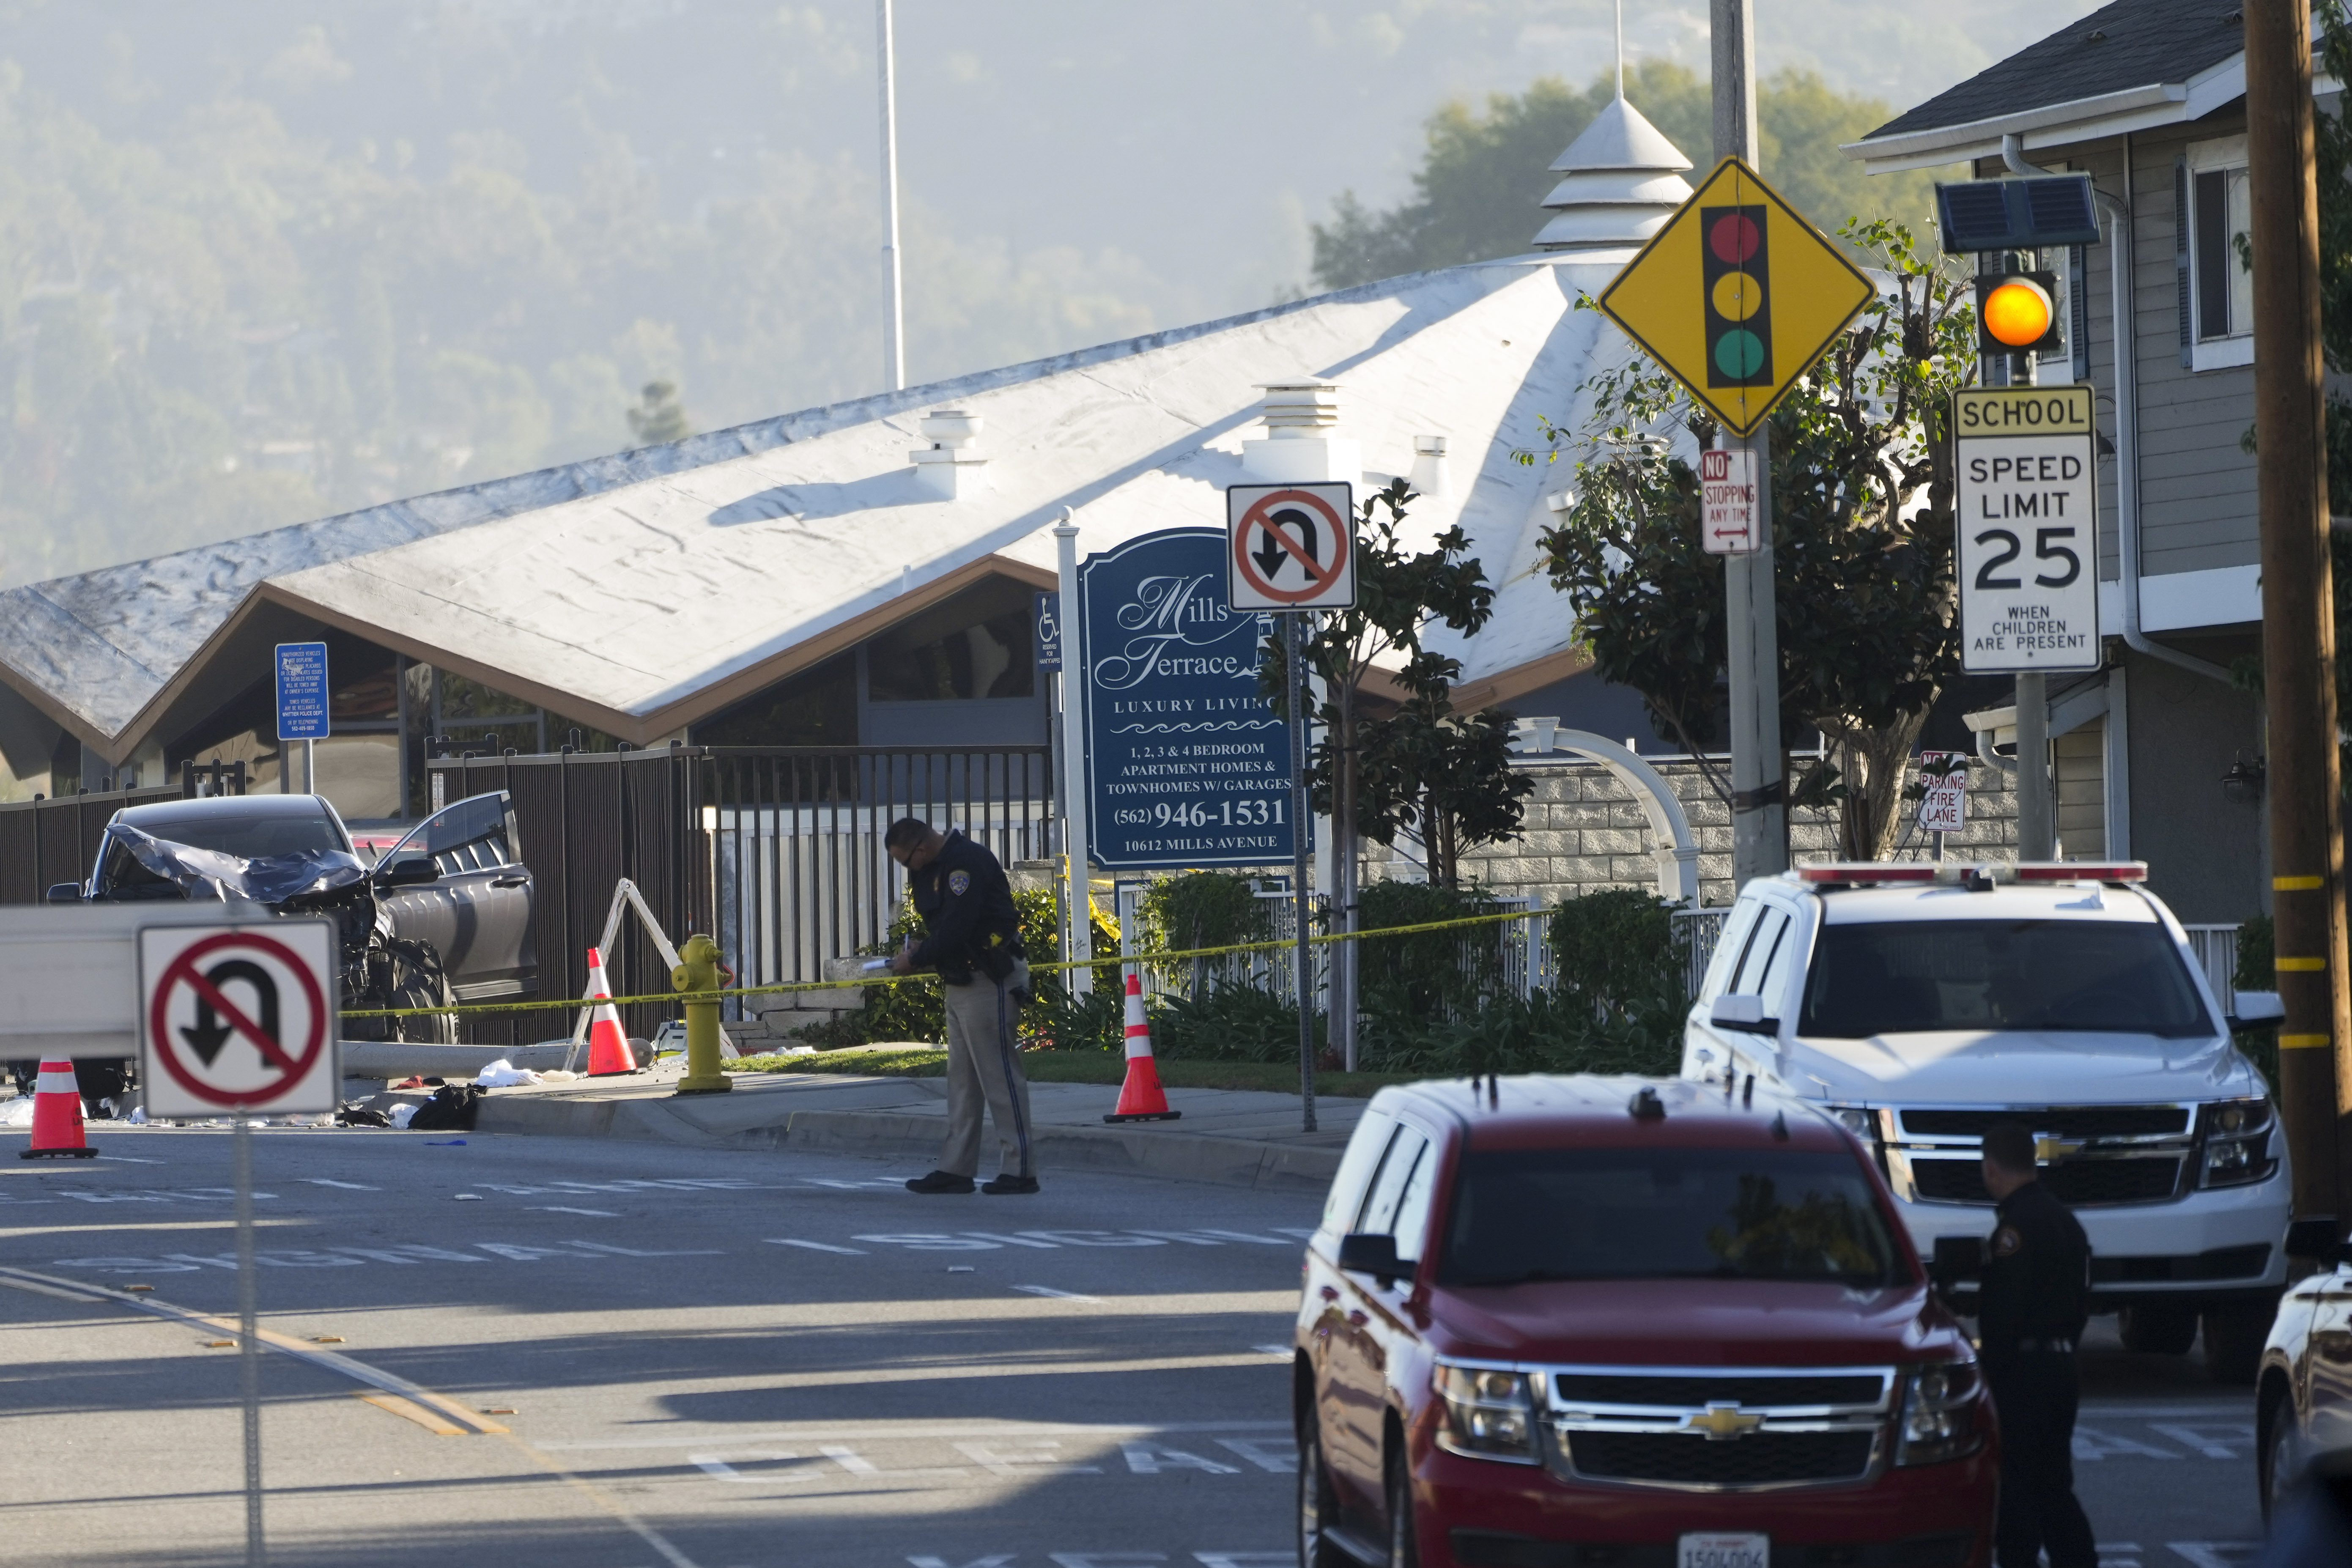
2017,313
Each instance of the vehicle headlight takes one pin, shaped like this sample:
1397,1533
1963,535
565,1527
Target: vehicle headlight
1488,1413
2237,1139
1858,1119
1939,1414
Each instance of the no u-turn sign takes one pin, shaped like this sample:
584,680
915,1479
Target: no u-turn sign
238,1020
1291,547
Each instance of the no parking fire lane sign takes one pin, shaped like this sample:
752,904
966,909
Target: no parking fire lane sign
1291,547
238,1020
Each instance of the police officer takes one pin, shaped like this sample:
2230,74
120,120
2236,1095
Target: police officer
2034,1303
973,937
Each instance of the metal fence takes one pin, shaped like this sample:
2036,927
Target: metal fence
795,839
1699,930
2216,947
44,842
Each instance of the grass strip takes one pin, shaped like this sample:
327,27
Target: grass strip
1104,1068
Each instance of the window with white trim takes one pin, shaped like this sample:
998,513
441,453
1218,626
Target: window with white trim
2217,291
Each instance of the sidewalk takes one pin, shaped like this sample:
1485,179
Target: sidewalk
1235,1137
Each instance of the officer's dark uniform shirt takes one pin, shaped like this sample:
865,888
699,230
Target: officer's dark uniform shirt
2036,1288
969,921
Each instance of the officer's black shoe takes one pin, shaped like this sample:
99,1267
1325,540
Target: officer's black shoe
941,1182
1002,1185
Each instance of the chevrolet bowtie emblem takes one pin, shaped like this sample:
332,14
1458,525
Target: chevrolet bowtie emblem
1722,1423
2048,1147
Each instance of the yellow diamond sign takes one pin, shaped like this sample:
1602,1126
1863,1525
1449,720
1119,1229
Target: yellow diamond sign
1737,296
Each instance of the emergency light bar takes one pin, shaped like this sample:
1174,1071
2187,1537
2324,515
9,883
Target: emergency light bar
1952,873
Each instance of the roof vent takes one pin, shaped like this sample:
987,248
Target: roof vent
1430,476
1620,180
1302,444
950,466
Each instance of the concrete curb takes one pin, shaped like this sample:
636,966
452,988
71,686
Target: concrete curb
1133,1151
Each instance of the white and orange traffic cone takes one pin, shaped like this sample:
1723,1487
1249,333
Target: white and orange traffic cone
1141,1098
608,1043
57,1116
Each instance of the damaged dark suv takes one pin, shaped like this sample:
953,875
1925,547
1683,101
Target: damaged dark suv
443,916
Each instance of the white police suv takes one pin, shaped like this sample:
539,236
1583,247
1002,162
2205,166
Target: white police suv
1923,1003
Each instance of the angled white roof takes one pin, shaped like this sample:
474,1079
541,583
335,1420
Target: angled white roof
646,591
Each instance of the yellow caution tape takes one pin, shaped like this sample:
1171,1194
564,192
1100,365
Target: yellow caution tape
2298,884
2304,1042
571,1003
2300,966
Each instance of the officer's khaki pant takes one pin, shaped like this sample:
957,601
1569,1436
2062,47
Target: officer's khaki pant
984,1067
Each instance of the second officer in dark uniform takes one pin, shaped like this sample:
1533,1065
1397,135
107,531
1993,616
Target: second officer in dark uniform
973,937
2035,1301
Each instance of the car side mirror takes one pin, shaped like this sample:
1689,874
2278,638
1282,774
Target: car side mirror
1365,1252
408,871
63,893
2255,1010
1735,1010
1956,1258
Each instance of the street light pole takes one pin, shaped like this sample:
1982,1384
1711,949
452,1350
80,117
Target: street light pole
894,346
2298,606
1759,812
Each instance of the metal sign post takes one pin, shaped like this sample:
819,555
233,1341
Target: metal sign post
302,711
1295,663
239,1019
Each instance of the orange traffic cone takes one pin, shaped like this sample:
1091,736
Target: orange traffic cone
57,1116
1141,1098
608,1044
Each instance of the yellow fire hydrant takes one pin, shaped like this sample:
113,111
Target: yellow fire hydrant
699,973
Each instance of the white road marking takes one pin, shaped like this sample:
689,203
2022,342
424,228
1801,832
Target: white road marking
562,1208
2216,1553
152,1194
1016,1464
1010,1240
636,1252
1280,1457
891,1433
1285,1352
1246,1559
1057,1295
999,1560
929,1241
1145,1459
848,1460
2214,1439
2092,1443
347,1186
1106,1559
127,1159
720,1470
815,1245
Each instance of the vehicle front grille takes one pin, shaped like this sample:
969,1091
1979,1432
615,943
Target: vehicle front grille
1694,1390
1718,1428
2075,1182
1759,1460
2056,1120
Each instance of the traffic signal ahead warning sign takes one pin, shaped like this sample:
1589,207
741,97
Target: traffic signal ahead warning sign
1738,296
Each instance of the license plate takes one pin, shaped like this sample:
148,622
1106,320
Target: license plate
1717,1549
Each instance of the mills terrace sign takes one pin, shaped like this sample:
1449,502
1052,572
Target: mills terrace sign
1186,764
2025,550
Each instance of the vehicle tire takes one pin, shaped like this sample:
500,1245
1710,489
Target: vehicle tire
1315,1508
2158,1327
2278,1455
1404,1546
2234,1333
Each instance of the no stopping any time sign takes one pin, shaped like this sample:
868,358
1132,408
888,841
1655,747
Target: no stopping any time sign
238,1020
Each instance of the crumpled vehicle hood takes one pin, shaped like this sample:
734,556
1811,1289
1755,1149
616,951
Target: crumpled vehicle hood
273,879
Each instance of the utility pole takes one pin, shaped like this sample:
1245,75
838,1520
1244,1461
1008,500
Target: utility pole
2298,605
893,346
1760,812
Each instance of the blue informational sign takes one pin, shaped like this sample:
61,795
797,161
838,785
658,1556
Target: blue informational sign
1186,765
1045,615
301,691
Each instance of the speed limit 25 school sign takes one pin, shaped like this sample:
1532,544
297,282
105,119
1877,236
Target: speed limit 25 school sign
238,1020
2026,545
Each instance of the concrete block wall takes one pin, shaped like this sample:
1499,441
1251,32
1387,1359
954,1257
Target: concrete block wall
1583,830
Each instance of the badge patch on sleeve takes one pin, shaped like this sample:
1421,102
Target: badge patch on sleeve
2006,1242
959,883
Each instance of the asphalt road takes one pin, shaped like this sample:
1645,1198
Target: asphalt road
715,1359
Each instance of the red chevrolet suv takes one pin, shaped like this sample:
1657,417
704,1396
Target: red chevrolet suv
1589,1322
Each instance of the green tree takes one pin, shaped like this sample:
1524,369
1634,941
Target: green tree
658,419
1861,523
1483,174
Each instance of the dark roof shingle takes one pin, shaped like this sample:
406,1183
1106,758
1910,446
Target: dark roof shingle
2137,43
